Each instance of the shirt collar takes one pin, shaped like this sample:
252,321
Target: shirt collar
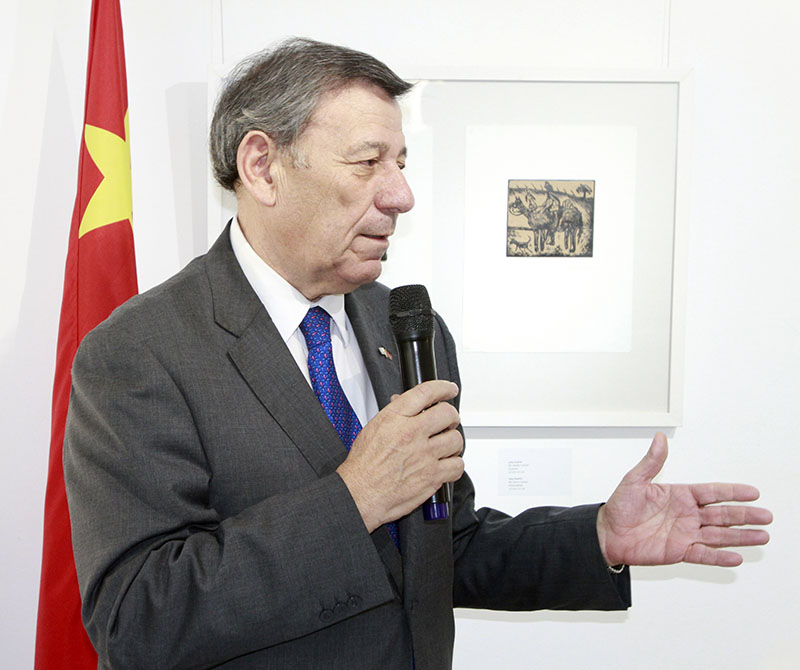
286,305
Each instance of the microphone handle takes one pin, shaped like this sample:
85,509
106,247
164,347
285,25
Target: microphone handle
417,361
418,364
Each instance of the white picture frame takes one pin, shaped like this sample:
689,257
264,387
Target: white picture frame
629,131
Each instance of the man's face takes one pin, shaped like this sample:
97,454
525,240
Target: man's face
339,203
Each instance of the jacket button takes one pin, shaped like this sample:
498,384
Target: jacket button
326,615
354,602
339,609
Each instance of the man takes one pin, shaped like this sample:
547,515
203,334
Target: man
219,518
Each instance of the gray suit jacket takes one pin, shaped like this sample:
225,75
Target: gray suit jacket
211,529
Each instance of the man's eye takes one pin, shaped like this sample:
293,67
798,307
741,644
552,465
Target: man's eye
370,162
402,166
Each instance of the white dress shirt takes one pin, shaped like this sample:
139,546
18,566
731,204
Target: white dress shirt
287,307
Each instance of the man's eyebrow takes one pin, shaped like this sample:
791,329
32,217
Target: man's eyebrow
367,145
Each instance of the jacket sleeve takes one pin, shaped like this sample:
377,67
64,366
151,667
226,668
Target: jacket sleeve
167,581
544,558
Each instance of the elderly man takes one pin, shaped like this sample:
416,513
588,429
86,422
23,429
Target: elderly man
229,510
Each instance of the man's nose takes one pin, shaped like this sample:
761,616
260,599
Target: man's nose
395,196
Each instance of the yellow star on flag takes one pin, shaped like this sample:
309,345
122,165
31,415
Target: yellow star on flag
112,201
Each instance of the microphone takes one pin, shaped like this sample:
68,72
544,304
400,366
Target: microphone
411,318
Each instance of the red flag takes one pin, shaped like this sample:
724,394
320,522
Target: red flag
100,274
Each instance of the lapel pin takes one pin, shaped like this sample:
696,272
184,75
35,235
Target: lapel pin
385,353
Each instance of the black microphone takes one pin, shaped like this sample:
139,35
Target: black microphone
412,320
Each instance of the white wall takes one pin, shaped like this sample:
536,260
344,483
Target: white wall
743,319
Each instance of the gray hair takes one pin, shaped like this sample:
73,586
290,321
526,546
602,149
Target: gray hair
277,90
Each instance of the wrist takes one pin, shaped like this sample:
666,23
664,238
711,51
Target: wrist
360,495
614,563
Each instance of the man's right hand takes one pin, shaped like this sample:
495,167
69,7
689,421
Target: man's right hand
405,453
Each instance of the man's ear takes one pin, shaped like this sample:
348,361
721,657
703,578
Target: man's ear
255,162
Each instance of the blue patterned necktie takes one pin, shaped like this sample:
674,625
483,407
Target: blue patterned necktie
316,328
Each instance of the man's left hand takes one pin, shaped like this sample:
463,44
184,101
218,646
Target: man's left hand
659,524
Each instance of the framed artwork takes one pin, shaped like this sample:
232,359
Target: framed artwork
549,227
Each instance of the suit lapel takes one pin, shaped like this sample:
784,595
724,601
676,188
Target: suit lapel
369,317
265,363
269,369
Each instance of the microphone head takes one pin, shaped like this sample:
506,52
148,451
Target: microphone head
410,313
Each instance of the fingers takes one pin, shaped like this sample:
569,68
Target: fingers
727,515
717,526
716,532
446,444
440,417
652,462
703,555
452,469
714,536
425,413
708,494
423,396
708,553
